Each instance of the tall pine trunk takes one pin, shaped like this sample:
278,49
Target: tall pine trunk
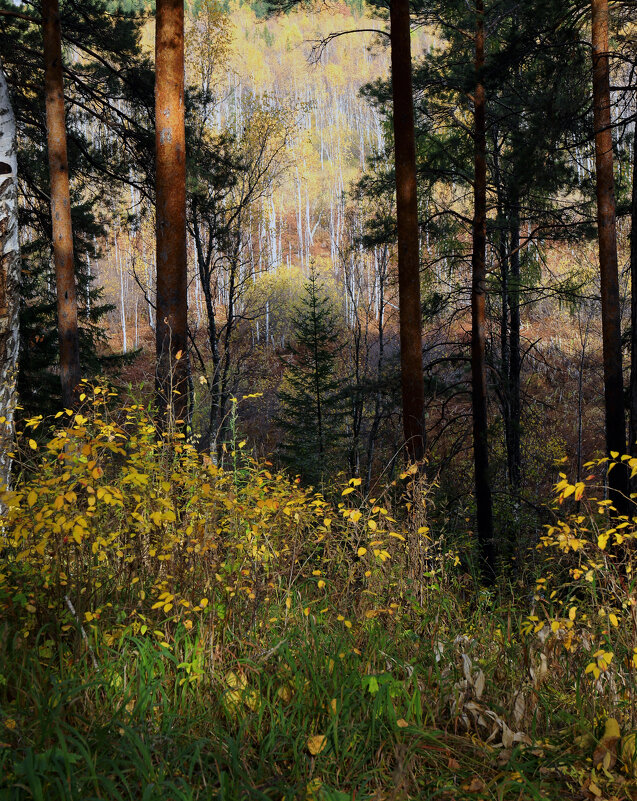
633,306
170,147
514,454
61,227
9,276
606,232
412,380
478,312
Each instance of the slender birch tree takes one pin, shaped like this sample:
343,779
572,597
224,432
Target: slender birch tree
62,229
9,276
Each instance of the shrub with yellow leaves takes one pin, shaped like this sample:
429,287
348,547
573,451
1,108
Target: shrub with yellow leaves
114,529
586,604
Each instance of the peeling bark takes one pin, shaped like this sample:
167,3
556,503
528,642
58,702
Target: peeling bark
9,277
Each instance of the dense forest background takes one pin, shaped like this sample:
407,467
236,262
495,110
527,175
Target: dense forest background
318,399
289,176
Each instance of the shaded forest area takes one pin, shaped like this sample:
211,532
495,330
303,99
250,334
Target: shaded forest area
319,399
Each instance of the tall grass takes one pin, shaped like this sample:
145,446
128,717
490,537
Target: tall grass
174,631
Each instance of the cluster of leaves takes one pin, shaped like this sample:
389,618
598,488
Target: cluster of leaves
115,529
168,620
584,620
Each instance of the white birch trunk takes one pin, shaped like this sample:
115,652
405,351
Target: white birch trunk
9,277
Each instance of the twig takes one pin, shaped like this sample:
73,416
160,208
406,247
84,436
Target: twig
82,632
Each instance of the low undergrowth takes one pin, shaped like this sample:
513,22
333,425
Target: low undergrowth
177,629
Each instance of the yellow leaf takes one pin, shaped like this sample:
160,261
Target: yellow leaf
372,525
33,445
613,620
602,540
402,723
361,551
32,497
572,612
355,516
321,584
203,603
316,744
236,682
347,491
611,728
285,693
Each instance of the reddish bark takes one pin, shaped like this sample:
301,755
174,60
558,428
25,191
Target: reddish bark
412,381
607,238
484,508
633,308
170,143
62,230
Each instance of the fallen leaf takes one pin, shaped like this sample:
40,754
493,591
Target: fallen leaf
316,744
478,684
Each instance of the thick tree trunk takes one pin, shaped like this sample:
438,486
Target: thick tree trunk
478,313
412,381
170,143
633,306
9,277
609,283
62,231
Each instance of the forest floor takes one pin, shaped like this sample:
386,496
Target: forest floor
176,629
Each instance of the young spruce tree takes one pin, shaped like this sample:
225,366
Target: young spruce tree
310,412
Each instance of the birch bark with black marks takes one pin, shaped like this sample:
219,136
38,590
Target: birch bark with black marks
9,277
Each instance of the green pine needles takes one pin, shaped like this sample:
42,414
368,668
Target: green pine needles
311,414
